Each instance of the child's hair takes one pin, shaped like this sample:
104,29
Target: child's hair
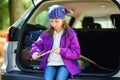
50,30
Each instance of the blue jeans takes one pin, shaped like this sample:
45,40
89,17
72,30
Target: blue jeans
56,73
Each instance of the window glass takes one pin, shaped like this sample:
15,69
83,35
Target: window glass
78,24
105,22
42,18
68,18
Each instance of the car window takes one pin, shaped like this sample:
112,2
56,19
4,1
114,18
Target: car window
105,22
42,18
77,24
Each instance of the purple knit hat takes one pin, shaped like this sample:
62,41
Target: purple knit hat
58,12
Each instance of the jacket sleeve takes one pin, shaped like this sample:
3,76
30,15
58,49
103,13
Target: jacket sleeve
37,46
73,51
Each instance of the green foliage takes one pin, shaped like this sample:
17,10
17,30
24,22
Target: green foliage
27,4
4,19
4,12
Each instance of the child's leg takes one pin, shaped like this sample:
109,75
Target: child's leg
63,73
50,73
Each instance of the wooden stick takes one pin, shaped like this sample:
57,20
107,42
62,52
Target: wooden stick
94,63
44,53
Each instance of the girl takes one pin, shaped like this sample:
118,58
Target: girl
62,39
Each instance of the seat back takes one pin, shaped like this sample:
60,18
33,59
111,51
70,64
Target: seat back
97,26
115,20
88,23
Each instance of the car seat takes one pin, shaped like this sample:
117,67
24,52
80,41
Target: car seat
88,22
115,20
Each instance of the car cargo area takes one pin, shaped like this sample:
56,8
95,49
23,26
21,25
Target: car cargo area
99,41
99,45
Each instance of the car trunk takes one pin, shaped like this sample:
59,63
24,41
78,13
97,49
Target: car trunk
99,45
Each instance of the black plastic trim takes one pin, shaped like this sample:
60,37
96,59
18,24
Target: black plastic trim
116,2
18,75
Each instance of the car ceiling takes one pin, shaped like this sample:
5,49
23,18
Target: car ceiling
94,8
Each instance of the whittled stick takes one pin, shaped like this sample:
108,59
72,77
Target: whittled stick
40,55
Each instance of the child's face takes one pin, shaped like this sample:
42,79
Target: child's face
56,23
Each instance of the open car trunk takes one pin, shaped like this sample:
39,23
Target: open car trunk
99,45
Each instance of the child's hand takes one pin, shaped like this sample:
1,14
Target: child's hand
57,51
35,55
